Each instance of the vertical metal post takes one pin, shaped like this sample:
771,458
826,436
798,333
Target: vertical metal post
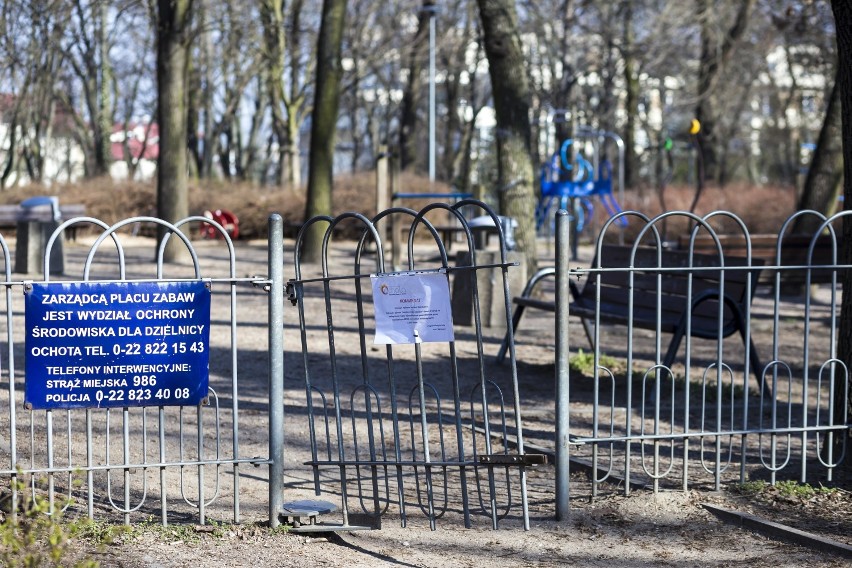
276,366
50,474
199,444
619,143
125,435
90,461
10,364
161,429
432,10
562,399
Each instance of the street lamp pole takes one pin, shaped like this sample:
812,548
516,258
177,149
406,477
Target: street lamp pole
431,9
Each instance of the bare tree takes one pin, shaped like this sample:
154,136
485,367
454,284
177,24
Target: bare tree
378,75
174,26
631,94
799,45
284,39
825,174
368,79
460,18
716,50
555,67
510,91
33,60
135,101
474,93
843,23
88,53
408,149
232,85
326,102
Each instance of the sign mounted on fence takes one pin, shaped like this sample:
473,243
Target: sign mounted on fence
412,307
116,344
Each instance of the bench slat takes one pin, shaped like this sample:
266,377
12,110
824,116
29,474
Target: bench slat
668,292
670,284
794,252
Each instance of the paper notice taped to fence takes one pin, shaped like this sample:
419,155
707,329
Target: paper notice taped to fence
412,308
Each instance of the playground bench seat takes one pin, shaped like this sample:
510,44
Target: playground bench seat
670,298
794,253
11,215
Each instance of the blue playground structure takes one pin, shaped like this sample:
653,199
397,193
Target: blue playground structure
571,181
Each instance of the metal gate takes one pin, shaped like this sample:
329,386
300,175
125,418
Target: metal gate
175,462
396,428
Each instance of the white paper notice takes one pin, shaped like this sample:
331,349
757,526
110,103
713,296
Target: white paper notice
412,308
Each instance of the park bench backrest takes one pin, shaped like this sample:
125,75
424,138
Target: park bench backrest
795,249
670,293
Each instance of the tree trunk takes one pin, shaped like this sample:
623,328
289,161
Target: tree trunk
250,155
631,99
91,64
296,101
326,103
193,162
822,184
103,148
510,91
408,150
209,142
843,23
710,68
12,149
272,18
454,66
293,158
173,40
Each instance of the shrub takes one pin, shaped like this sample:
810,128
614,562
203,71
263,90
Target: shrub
33,538
763,208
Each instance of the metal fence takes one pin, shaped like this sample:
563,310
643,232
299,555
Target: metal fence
434,430
696,420
166,462
405,427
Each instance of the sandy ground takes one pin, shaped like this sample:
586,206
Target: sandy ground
670,528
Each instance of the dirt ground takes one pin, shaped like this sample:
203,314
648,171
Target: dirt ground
669,528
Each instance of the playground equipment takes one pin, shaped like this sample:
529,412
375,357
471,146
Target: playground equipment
227,219
572,182
688,144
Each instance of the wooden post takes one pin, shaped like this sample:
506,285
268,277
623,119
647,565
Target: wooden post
383,198
396,256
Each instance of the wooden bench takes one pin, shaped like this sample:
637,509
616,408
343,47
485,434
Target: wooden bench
794,252
669,297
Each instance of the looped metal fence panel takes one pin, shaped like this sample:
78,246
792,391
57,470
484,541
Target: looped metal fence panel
139,459
409,427
711,362
750,386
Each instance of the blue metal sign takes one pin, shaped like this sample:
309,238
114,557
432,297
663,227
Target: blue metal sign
116,344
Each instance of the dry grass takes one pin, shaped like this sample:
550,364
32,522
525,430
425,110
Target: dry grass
762,208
